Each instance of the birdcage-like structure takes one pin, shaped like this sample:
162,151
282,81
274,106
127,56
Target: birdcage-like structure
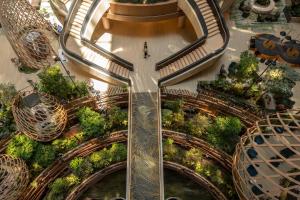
267,160
14,176
28,32
39,115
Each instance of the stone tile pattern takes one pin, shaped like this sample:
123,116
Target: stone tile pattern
145,139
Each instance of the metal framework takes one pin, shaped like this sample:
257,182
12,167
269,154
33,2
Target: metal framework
39,115
266,163
28,33
14,176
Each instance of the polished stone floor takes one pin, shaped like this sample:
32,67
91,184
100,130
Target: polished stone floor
145,180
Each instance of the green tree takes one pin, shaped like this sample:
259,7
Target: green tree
44,155
21,146
81,167
7,93
170,150
7,123
167,118
224,132
198,124
53,82
118,152
117,119
100,159
193,157
175,106
58,189
91,122
179,121
248,67
64,144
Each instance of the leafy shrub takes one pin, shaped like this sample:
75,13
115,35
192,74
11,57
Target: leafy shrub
7,123
198,125
193,157
65,144
60,187
118,152
44,155
91,122
81,167
174,106
167,118
22,146
53,82
224,133
170,150
100,159
116,119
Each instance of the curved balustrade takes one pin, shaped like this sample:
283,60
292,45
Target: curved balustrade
83,186
209,101
213,190
84,149
104,64
62,163
201,53
189,141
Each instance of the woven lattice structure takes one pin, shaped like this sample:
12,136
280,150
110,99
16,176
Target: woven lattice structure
267,160
14,177
28,33
39,115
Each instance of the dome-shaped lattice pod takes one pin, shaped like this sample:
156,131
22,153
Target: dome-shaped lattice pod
267,160
39,115
28,32
36,44
14,177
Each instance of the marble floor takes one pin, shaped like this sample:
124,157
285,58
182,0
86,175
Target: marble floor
126,40
145,179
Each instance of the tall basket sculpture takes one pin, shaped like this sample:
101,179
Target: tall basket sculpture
266,163
38,115
14,176
28,33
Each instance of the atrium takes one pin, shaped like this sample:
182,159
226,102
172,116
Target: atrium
150,100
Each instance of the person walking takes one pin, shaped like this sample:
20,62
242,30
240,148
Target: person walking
146,55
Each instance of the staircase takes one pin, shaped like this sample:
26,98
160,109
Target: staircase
86,50
212,43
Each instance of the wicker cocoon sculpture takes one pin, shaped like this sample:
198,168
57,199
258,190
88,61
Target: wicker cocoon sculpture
38,115
28,33
14,176
266,163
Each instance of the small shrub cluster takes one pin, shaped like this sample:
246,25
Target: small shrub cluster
53,82
36,154
94,124
40,155
7,123
83,167
222,132
195,160
243,81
